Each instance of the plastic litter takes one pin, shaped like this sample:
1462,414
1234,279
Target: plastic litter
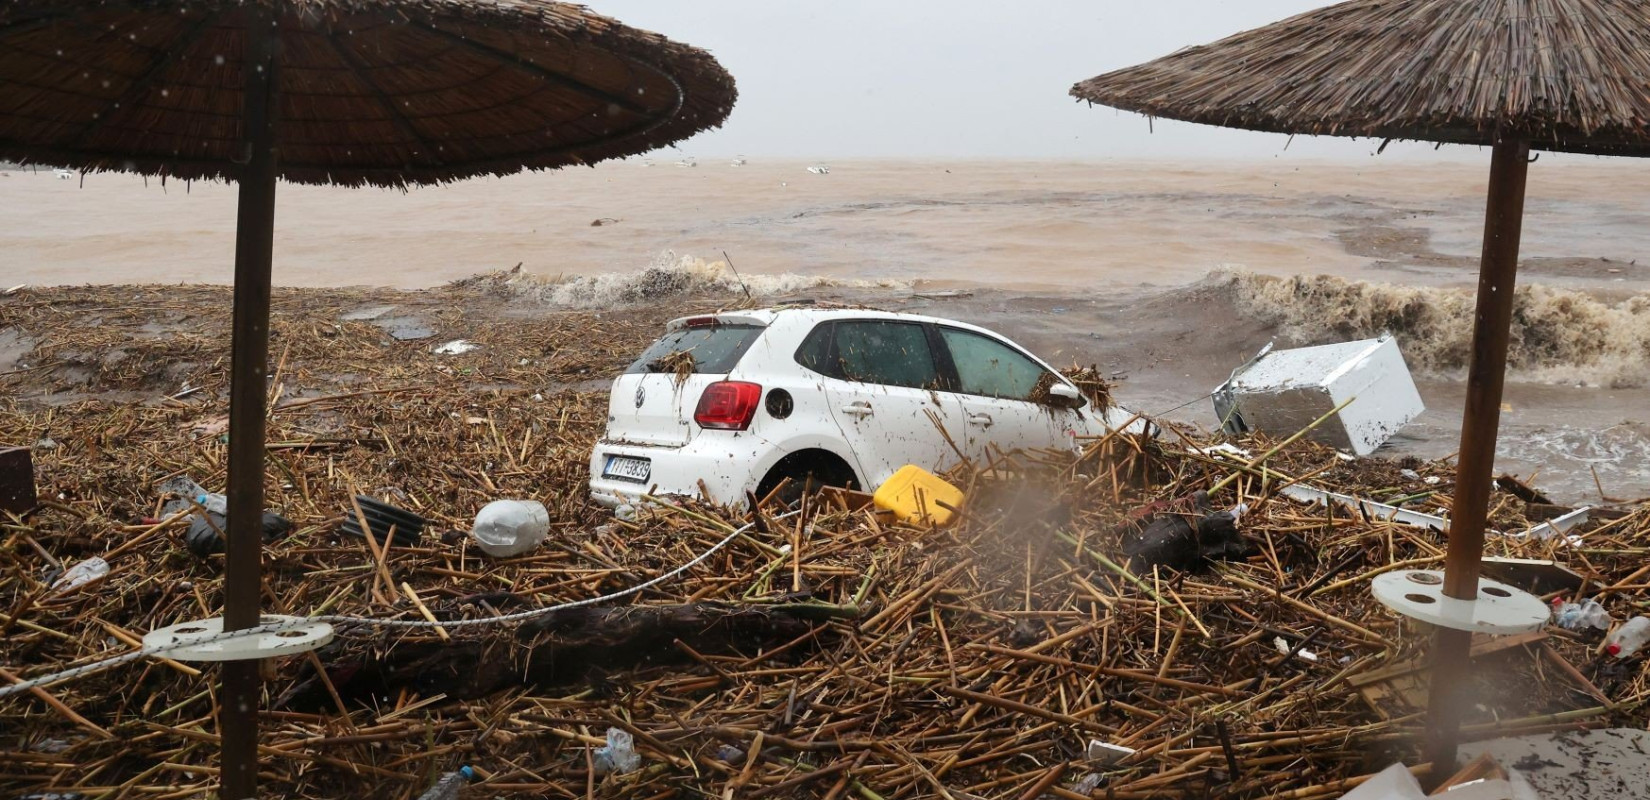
188,490
1393,783
918,497
1286,648
206,533
618,755
1105,753
448,786
381,516
1581,616
1629,638
728,754
1087,784
81,574
456,347
1184,534
507,528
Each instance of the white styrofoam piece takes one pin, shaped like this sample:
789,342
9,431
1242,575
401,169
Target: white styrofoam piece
1106,754
1381,511
1393,783
1499,609
296,636
1283,391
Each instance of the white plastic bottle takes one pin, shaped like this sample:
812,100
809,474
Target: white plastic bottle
507,528
1629,638
183,487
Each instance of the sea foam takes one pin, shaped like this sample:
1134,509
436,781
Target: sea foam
1559,336
668,275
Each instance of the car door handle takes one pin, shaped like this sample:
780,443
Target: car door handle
983,420
858,409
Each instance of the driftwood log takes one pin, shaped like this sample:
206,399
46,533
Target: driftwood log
580,645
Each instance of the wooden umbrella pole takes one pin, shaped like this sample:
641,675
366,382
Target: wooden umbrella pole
239,695
1492,330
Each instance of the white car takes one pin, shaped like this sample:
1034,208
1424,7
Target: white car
833,396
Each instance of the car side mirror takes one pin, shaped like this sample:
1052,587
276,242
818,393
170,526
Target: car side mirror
1064,395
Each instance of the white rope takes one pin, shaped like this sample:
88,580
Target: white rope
341,619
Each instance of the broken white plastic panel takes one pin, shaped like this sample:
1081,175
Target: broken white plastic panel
1106,754
1283,391
195,640
1558,526
1381,511
1499,609
1369,508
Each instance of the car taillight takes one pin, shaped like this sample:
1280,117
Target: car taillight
728,405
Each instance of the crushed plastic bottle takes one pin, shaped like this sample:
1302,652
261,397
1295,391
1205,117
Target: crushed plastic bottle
507,528
186,490
448,787
80,574
618,755
1629,638
1581,616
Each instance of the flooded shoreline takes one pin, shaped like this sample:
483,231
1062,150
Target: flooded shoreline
1169,275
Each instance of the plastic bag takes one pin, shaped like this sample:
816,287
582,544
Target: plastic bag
618,755
511,527
1580,616
80,574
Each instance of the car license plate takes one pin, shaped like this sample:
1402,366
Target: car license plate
628,469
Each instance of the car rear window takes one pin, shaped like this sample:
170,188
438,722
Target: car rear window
710,349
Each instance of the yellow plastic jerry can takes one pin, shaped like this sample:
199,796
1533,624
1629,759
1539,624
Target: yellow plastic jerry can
918,497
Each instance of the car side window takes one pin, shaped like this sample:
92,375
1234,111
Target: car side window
990,368
815,352
890,353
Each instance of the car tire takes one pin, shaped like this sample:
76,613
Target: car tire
808,472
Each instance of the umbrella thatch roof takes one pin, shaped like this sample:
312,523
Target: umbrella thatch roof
1564,74
384,92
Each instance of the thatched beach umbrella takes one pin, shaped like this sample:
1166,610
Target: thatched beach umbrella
1516,75
353,92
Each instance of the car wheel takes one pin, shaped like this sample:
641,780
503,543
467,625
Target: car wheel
808,472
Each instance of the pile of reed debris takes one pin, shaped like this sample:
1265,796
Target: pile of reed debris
823,654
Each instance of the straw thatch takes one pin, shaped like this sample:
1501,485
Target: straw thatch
1571,75
376,92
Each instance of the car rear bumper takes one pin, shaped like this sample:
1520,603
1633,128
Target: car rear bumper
725,465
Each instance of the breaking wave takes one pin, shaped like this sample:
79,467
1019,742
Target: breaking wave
669,275
1558,335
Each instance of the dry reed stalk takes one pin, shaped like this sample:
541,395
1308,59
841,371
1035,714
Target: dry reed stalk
953,655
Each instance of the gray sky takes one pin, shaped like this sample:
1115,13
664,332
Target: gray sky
822,79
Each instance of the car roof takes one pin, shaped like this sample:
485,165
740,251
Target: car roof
821,313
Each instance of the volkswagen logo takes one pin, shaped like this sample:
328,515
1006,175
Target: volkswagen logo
641,396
